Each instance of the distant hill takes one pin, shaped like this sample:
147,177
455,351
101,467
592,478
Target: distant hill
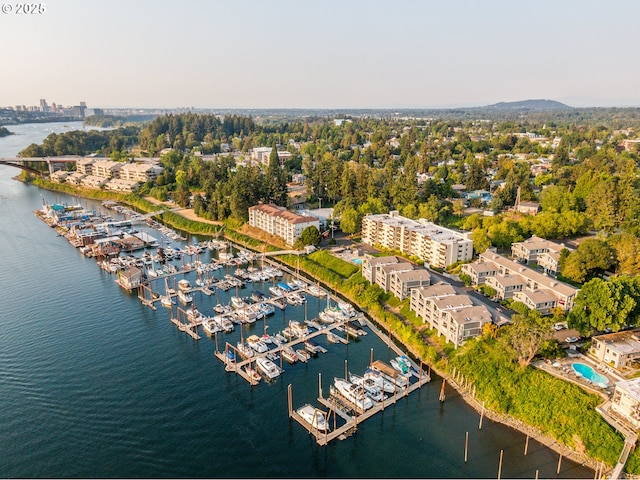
529,105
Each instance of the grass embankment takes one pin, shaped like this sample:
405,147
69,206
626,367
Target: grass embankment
557,408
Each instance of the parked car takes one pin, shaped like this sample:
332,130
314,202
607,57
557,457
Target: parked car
559,326
571,339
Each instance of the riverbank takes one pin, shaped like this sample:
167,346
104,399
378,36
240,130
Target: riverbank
400,335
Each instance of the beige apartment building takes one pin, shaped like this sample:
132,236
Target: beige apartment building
452,315
280,222
509,277
437,246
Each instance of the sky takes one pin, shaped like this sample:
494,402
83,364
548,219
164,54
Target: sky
320,54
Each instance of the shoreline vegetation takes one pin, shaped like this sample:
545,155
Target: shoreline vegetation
553,412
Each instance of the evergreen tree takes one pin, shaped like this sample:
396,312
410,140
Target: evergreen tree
276,180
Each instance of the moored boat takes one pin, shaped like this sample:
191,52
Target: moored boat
314,417
354,393
252,373
268,368
289,355
257,344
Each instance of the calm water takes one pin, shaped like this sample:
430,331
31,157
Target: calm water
93,384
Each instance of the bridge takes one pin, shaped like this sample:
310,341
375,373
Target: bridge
22,162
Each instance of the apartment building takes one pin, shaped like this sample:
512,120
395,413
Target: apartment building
508,276
616,349
280,222
452,315
435,245
626,401
538,250
370,263
140,172
106,168
401,283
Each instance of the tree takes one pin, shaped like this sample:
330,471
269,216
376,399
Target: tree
310,236
350,221
604,304
626,249
526,334
481,240
591,258
276,180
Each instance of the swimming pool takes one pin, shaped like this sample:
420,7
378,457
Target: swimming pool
590,374
357,261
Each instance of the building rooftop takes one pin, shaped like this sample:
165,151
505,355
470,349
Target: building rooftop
439,289
538,296
395,267
632,387
453,301
281,212
543,280
474,313
421,227
413,275
508,280
624,343
373,261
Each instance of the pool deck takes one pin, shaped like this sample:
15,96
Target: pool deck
562,368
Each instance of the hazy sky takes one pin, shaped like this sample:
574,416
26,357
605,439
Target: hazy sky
321,54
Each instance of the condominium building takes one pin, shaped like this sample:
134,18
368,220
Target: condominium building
508,277
538,250
140,172
626,401
106,168
452,315
401,283
370,264
435,245
280,222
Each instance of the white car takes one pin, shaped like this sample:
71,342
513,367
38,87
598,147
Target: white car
571,339
559,326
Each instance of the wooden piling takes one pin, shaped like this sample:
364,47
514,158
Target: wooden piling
559,463
500,465
526,445
290,400
371,356
481,417
442,396
537,472
466,447
320,384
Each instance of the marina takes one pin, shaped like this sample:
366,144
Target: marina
144,272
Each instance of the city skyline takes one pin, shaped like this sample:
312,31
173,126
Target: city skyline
283,54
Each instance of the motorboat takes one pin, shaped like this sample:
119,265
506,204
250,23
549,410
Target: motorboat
224,323
257,344
303,355
298,329
314,417
370,386
245,350
402,365
184,297
252,373
332,337
184,285
354,393
268,368
210,325
267,309
238,302
379,381
316,291
275,291
289,355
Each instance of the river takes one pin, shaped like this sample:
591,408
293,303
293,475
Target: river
94,384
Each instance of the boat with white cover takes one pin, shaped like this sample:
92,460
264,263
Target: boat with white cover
314,417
